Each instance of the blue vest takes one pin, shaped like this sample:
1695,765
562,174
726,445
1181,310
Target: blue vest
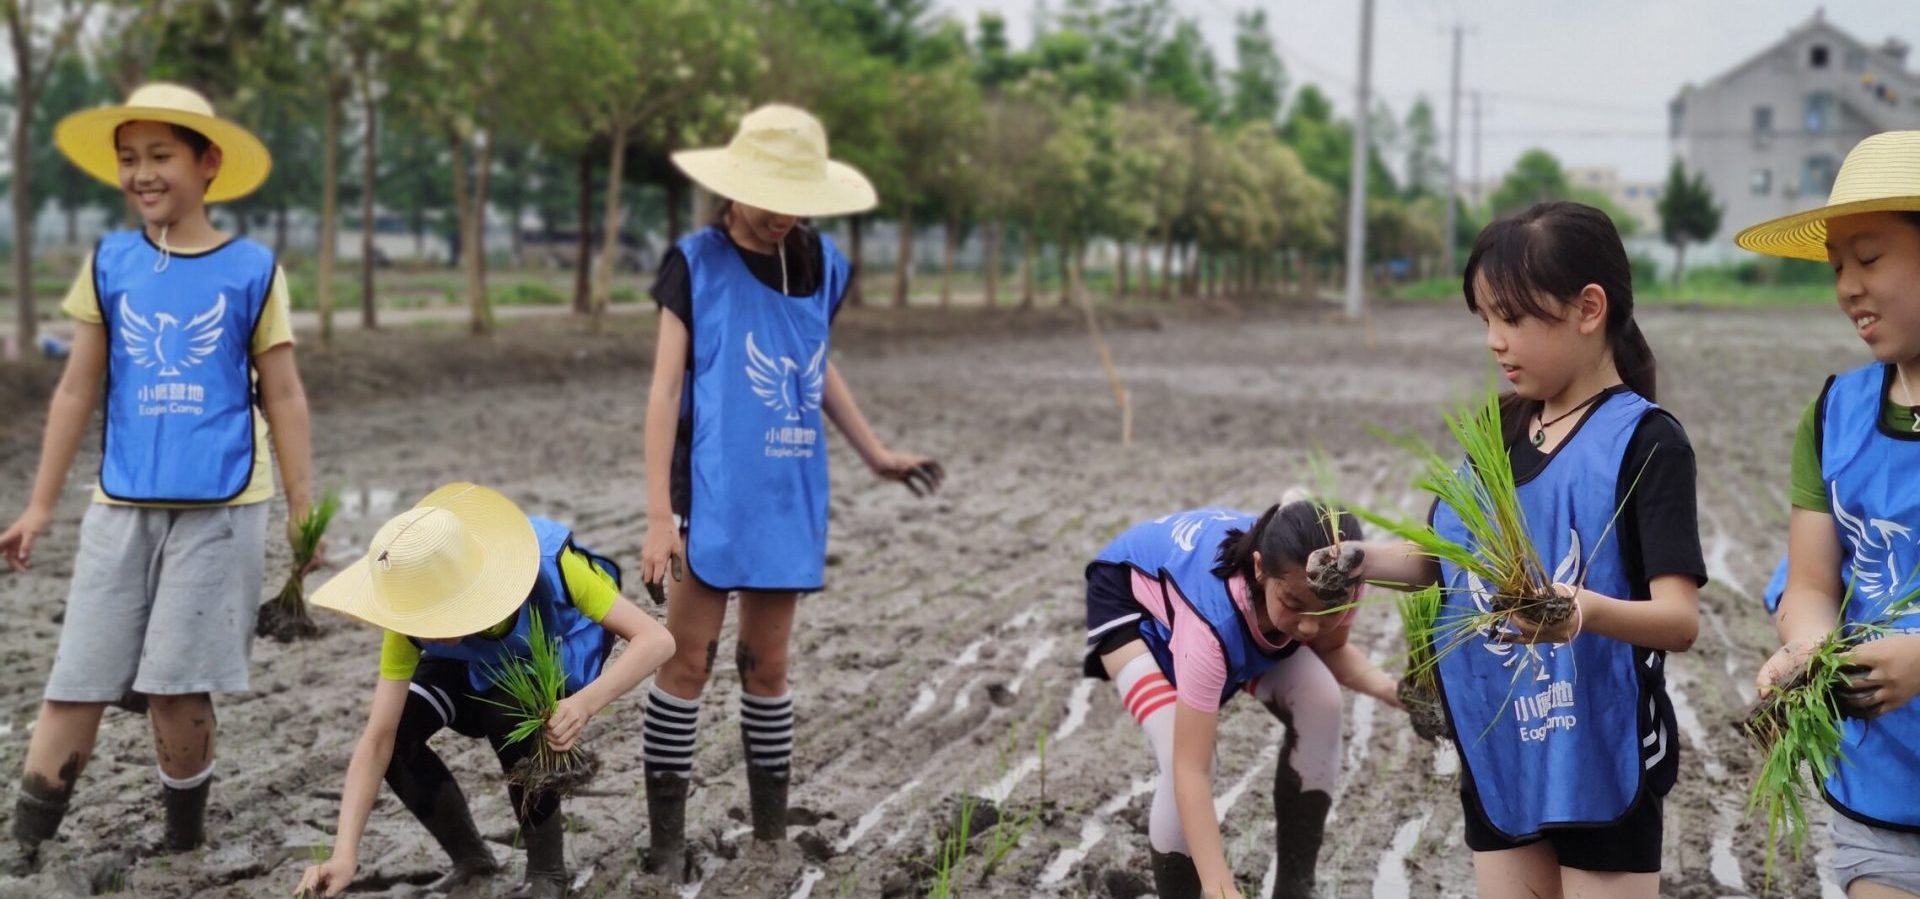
1551,734
1776,586
757,510
1178,550
179,407
583,642
1871,480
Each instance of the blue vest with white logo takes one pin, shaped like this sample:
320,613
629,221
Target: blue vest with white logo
1551,733
583,642
1873,481
757,511
179,394
1179,550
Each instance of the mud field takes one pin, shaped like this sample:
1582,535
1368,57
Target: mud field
944,658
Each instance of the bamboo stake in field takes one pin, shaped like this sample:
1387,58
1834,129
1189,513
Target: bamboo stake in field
1120,395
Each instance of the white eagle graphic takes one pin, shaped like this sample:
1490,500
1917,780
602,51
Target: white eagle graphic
1188,528
782,384
1567,572
1877,568
166,343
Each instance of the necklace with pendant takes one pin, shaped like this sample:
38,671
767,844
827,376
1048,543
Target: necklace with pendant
1540,433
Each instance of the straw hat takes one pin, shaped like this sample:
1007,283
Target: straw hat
778,162
86,137
1881,174
456,564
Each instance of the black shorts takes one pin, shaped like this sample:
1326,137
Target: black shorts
1113,616
1630,845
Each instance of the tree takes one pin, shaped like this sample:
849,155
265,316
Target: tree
1426,172
1259,78
1687,213
70,86
1536,177
39,35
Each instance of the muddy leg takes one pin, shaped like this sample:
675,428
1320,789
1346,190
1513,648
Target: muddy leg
694,617
62,744
1174,876
1300,821
183,728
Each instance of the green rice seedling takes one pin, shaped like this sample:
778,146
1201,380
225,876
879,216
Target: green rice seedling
533,686
951,850
1420,687
1796,729
285,618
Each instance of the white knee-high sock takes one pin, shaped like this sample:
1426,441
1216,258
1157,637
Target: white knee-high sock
1149,698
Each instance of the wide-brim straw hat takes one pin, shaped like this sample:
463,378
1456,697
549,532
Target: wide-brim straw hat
459,562
1881,174
778,162
87,137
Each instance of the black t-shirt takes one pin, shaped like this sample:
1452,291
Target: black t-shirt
673,291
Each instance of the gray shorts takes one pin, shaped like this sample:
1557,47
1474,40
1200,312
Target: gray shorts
163,601
1876,854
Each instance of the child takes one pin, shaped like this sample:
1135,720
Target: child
736,471
1568,743
186,331
1173,622
1856,506
456,582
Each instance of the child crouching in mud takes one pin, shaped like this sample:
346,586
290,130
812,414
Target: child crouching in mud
458,582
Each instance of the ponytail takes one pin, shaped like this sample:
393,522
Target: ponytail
1633,357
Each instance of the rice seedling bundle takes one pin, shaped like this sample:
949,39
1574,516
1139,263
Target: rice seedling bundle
533,686
285,617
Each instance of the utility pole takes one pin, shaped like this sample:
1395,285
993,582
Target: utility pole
1479,186
1357,182
1453,156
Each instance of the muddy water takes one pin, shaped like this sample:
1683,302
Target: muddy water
948,643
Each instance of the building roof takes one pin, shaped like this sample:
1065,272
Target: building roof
1816,24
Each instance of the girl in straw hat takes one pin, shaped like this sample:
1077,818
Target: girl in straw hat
186,332
736,464
1856,506
457,582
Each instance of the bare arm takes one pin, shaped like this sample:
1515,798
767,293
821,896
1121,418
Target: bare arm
919,473
648,647
67,415
1668,620
662,541
371,756
1398,564
1810,604
1194,733
1352,669
284,401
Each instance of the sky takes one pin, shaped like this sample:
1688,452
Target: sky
1589,81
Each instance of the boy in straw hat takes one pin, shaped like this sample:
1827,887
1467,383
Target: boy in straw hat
457,581
1854,532
186,332
736,469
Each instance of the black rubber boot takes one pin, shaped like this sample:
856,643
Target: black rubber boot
1174,876
1300,824
37,813
767,800
667,823
186,817
546,857
451,823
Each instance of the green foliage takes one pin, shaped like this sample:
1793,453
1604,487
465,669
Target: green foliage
532,683
1419,623
1687,211
1259,79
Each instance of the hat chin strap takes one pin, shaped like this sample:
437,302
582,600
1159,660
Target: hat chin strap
166,252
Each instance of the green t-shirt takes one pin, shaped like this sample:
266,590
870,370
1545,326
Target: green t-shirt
1809,489
591,589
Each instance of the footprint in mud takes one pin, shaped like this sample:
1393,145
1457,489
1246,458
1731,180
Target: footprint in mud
759,870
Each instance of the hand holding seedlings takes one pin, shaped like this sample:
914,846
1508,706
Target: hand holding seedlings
329,878
565,724
1882,675
1552,618
1333,571
1783,667
16,544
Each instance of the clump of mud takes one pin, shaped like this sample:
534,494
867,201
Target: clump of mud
1423,705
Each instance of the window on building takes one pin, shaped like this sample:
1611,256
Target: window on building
1762,182
1817,57
1819,111
1762,120
1817,178
1676,117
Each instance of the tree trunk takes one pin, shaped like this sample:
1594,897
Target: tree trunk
1028,254
676,206
855,296
583,242
280,230
28,320
1166,272
946,263
329,209
1076,270
73,226
477,272
610,223
1120,270
1679,263
463,203
1066,266
992,268
369,316
903,261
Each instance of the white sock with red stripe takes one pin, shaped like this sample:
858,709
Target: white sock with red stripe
1149,697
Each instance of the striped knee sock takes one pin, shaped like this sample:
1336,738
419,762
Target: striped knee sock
767,723
666,740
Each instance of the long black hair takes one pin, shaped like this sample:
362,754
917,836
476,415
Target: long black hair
1285,534
1555,250
802,245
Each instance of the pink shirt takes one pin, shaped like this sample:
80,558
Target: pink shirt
1199,662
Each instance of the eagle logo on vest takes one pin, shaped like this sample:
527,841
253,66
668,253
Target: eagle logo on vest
1186,530
165,343
1877,567
1567,572
782,384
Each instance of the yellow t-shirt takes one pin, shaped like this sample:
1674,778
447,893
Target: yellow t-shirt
591,590
275,328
